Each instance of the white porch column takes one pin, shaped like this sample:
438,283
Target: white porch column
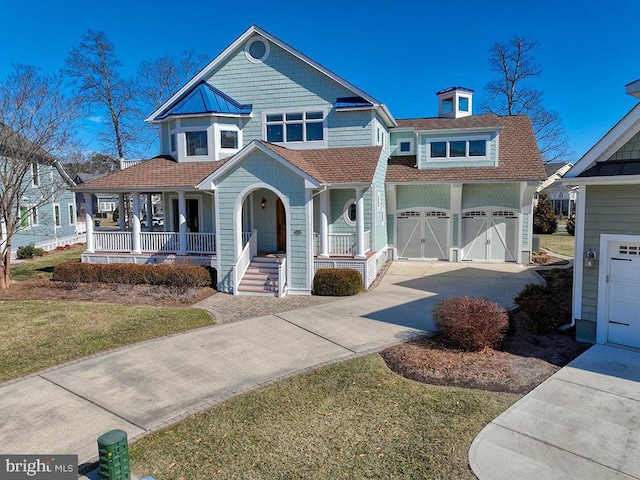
182,223
360,247
149,213
324,224
88,217
135,227
122,209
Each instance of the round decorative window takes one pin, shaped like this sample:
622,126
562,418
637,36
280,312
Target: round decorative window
350,212
256,50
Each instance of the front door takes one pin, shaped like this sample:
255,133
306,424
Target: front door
193,215
281,226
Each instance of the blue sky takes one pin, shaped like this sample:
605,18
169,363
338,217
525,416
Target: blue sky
400,52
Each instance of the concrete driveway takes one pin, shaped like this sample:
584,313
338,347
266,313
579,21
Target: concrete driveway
150,385
583,422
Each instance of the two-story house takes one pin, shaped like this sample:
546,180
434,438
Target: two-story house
272,166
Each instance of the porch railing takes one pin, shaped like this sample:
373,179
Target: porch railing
159,242
244,259
154,242
112,241
282,277
201,243
342,244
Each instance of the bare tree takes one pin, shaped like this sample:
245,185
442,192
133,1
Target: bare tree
35,127
160,78
89,162
512,94
95,70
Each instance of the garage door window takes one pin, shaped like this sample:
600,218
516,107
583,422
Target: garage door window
629,250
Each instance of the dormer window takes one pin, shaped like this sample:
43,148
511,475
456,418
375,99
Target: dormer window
457,149
405,147
447,105
463,104
455,102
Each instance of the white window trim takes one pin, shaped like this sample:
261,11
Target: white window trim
34,220
55,218
448,140
324,143
412,147
345,212
267,49
71,210
220,127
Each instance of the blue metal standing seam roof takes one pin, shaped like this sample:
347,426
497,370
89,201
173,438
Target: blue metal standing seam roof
206,98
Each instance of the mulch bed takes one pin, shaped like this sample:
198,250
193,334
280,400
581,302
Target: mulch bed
524,361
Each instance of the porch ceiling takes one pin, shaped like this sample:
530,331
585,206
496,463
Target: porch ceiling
158,174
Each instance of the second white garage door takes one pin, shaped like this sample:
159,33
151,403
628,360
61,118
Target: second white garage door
490,236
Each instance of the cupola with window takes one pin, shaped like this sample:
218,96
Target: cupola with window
455,102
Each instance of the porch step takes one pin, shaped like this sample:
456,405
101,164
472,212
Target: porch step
261,277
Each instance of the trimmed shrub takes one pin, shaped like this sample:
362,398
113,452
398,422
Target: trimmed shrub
337,282
29,251
542,309
178,275
471,323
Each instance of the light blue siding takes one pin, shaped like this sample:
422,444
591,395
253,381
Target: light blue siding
423,196
479,195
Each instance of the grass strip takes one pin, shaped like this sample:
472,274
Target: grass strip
39,334
44,265
355,419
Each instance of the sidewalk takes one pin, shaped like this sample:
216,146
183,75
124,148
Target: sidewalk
151,385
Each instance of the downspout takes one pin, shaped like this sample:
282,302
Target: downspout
324,189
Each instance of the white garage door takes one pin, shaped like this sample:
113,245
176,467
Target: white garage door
623,302
489,236
423,235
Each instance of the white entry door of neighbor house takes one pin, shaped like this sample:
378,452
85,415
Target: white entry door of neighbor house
423,235
490,236
623,294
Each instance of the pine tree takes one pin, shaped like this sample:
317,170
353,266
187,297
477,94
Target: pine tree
544,218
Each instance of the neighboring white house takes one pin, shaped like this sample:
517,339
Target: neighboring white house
563,197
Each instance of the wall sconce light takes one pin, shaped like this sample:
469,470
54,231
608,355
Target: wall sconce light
263,203
590,259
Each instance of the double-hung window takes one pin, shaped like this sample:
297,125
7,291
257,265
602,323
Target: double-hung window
294,127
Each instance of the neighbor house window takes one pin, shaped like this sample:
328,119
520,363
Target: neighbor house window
196,143
458,149
405,146
57,216
229,139
72,214
294,127
35,218
24,217
35,173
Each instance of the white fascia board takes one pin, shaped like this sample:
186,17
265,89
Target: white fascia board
620,134
255,30
611,180
209,182
199,115
497,129
633,88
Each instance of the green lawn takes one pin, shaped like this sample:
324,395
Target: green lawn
559,242
38,334
44,265
354,419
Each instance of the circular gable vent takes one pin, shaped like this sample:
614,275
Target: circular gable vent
256,50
